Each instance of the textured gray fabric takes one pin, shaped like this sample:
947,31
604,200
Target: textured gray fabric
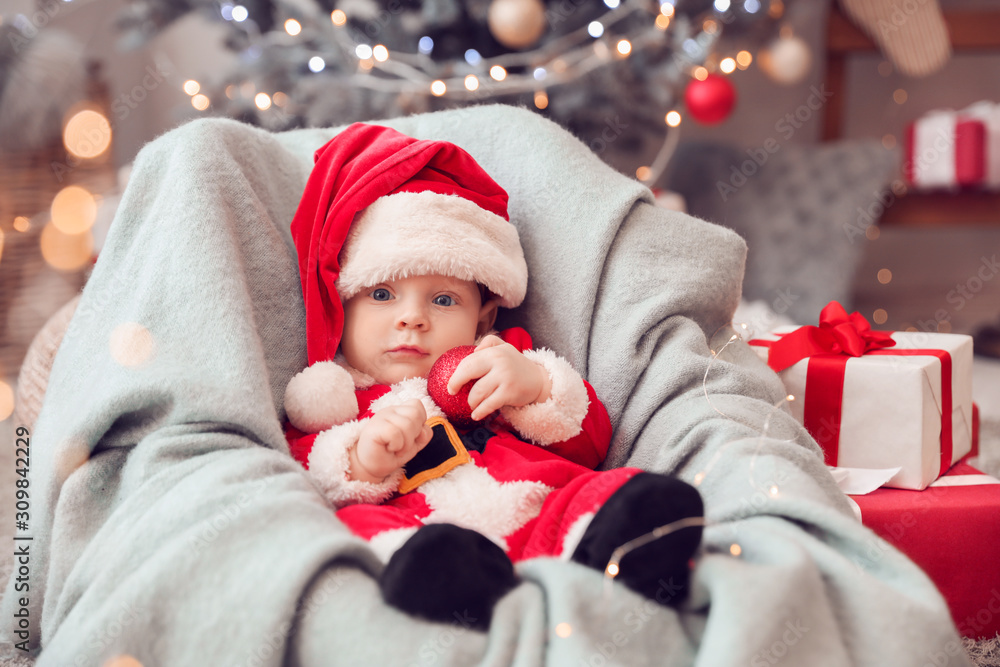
803,211
190,537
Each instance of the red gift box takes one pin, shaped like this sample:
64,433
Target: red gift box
950,529
946,150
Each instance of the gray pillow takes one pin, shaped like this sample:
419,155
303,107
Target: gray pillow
803,211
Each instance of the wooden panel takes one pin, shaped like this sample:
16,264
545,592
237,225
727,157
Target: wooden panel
970,207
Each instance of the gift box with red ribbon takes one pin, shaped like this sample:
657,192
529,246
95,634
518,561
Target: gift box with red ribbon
949,529
877,399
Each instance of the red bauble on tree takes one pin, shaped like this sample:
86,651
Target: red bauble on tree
710,101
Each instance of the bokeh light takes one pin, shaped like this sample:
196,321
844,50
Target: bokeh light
74,210
66,252
131,344
87,134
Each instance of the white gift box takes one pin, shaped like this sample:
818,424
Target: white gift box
890,405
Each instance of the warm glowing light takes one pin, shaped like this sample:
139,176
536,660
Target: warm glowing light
263,101
6,401
776,10
123,660
564,630
667,9
65,252
773,490
200,102
662,22
789,398
22,224
735,549
889,141
699,478
743,59
471,82
700,73
710,26
673,118
438,88
899,96
131,344
872,233
498,73
624,47
73,210
2,236
943,327
87,134
728,65
338,17
279,99
293,27
884,276
880,316
363,51
541,99
612,569
643,173
231,91
380,53
192,87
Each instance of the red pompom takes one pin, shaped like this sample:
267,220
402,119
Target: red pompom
710,101
456,407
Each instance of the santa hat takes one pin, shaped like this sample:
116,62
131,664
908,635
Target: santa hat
381,206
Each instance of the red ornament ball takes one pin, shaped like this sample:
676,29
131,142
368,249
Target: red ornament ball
710,101
456,407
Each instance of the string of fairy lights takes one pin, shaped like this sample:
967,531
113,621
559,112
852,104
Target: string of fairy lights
627,28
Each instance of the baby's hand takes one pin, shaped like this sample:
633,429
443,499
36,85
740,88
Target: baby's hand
503,377
391,437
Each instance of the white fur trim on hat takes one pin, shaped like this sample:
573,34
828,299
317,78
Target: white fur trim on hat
320,396
424,233
329,466
561,416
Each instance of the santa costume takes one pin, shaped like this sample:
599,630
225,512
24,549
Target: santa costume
381,206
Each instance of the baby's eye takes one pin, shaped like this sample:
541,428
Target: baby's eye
443,300
381,294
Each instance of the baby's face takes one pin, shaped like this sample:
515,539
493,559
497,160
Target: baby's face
398,329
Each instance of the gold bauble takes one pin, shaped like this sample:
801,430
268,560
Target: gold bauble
517,24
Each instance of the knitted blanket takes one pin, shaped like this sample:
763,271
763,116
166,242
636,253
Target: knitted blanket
169,523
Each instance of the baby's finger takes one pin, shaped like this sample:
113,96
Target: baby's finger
489,341
471,368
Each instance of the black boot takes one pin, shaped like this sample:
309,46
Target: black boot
446,573
660,569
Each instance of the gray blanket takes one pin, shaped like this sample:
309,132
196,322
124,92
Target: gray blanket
170,524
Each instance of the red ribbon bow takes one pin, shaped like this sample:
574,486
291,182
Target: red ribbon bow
837,333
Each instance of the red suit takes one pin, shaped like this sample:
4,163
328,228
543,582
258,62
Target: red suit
533,495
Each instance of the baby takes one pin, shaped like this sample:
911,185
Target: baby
405,253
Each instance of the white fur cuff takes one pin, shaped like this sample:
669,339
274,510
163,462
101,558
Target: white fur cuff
329,465
559,418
